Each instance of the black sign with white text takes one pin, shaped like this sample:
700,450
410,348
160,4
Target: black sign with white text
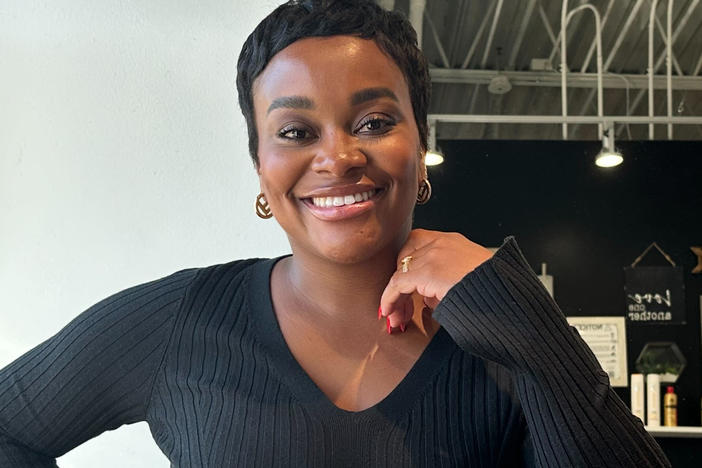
654,295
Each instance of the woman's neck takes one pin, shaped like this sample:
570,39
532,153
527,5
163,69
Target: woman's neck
343,292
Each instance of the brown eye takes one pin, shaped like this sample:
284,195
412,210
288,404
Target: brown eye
294,133
375,125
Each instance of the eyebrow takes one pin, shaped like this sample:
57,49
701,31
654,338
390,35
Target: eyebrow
369,94
291,102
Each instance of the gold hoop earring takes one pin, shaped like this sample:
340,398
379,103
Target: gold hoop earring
262,209
424,192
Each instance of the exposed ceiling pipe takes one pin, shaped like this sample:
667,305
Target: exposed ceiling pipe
547,26
668,61
564,83
698,67
598,42
416,17
622,34
676,66
486,52
556,45
520,35
556,119
491,34
591,50
437,41
548,79
678,29
612,54
478,36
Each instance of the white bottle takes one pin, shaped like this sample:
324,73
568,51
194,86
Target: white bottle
653,400
637,396
546,280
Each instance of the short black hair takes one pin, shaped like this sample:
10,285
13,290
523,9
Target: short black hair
299,19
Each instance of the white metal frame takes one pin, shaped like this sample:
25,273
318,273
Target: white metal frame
559,119
565,18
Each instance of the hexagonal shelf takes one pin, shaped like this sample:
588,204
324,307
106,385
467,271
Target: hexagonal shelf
664,358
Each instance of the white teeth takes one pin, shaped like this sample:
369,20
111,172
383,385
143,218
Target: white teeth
326,202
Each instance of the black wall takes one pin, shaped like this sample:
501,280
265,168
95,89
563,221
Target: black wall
586,222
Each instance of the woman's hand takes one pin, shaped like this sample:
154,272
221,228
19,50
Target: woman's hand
438,261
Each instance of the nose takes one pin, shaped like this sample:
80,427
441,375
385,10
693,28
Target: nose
338,154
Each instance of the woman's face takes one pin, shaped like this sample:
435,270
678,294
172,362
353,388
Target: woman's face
339,150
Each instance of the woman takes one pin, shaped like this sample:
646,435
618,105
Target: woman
284,361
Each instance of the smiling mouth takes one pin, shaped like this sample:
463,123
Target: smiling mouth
335,201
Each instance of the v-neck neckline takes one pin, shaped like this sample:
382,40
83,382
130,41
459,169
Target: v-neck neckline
395,405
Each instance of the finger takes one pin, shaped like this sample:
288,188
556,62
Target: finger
431,302
397,291
402,315
402,286
417,239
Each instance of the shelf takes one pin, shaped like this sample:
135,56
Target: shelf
687,432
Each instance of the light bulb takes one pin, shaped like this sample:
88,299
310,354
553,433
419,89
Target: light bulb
433,158
609,158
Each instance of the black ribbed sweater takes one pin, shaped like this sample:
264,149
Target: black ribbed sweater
200,357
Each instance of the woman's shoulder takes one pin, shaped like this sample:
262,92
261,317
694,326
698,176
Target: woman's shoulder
220,277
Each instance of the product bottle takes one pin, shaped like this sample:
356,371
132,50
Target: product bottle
653,400
670,408
637,396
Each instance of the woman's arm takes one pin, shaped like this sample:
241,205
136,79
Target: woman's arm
500,311
94,375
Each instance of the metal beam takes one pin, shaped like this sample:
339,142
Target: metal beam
478,36
553,79
696,71
576,24
486,52
678,29
662,32
617,44
491,34
559,119
588,57
520,34
622,33
547,25
437,41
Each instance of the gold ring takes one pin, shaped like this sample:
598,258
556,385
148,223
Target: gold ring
405,263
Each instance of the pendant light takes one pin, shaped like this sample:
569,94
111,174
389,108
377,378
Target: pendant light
434,156
608,155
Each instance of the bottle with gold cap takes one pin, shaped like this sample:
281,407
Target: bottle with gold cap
670,407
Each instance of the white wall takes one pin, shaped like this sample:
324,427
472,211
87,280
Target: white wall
123,158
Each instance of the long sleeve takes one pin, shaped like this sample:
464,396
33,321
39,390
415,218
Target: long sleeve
501,312
95,375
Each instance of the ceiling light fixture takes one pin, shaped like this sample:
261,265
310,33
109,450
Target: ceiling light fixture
433,156
608,156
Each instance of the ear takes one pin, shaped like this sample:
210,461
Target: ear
257,167
422,167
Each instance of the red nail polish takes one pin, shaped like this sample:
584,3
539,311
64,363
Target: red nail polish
388,324
402,327
380,313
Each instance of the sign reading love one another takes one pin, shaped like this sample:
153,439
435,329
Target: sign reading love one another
654,295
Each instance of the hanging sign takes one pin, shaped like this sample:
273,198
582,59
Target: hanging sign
655,295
